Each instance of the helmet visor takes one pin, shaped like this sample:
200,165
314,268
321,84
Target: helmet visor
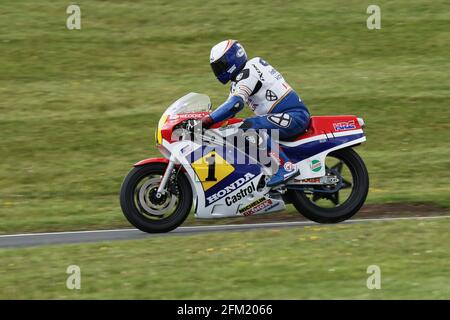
220,66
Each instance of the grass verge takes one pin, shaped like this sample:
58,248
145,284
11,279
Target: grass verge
298,263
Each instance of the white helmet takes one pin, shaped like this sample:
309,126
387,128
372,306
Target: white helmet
227,59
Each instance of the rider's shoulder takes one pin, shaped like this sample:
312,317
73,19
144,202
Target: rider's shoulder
253,60
257,61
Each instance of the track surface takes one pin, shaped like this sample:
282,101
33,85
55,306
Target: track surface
38,239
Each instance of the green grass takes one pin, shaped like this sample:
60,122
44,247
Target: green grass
77,108
299,263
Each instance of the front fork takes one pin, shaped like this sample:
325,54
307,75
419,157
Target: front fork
162,187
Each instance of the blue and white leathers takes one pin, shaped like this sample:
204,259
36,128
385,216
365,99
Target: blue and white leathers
275,103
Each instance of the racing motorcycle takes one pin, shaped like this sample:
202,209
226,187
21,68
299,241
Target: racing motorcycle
158,194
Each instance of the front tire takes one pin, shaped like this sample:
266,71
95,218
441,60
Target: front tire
148,213
307,203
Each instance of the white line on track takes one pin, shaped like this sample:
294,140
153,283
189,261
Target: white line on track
227,226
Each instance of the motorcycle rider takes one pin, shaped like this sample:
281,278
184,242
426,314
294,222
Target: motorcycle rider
263,88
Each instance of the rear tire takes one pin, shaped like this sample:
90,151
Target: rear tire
342,211
145,221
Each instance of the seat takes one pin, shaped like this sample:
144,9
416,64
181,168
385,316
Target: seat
326,124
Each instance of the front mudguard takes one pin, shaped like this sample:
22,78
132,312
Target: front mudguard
151,160
156,160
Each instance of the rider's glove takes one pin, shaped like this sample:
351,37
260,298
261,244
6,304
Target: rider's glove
207,122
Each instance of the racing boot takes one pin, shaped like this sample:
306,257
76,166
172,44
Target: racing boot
283,175
286,170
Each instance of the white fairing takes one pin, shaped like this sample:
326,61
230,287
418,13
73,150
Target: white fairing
305,165
244,189
222,207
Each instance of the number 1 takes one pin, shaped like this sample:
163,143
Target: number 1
211,168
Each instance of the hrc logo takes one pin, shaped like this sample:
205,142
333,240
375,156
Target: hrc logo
346,125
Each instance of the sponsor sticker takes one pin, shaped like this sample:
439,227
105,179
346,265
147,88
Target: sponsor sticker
270,95
263,62
288,166
231,70
280,119
261,77
186,116
316,165
184,151
311,180
240,52
345,125
236,185
240,195
256,206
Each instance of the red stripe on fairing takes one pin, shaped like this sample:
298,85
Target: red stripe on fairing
324,125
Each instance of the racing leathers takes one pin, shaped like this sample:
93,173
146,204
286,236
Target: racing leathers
275,103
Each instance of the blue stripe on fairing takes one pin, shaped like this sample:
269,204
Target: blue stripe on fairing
239,169
304,151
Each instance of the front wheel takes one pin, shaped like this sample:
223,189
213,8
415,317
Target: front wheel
326,206
149,213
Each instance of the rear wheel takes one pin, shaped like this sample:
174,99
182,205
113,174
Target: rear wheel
330,206
144,210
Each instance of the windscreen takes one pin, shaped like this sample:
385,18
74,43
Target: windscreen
192,102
